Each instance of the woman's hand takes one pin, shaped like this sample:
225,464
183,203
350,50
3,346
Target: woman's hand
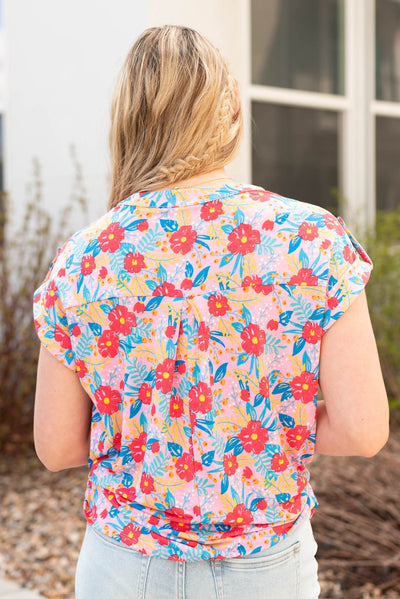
353,419
62,415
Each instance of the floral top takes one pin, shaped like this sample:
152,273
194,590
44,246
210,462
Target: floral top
193,319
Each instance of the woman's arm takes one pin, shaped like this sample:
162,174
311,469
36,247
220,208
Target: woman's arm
62,415
353,418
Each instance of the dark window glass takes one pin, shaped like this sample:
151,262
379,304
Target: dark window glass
298,44
388,50
295,152
387,163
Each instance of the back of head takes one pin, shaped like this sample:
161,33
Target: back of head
175,112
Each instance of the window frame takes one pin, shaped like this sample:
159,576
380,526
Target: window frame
357,109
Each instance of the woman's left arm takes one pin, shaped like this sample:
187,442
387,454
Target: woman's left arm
62,415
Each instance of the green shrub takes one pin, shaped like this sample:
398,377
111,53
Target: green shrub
26,251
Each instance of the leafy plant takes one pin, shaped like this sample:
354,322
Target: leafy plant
25,254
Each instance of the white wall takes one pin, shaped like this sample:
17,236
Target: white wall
63,57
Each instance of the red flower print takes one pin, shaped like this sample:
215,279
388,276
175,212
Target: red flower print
253,339
139,307
126,495
130,535
175,406
134,262
281,529
326,243
145,392
186,284
91,515
304,277
332,223
138,447
121,320
240,516
164,375
268,225
178,519
279,462
62,338
155,447
181,368
160,540
230,464
293,505
185,467
262,504
211,210
169,331
272,325
308,231
143,225
61,272
107,400
103,272
51,295
256,283
108,344
204,336
253,437
168,290
297,435
117,441
218,305
88,265
76,330
264,387
182,240
332,302
243,239
304,387
348,254
147,483
244,394
200,398
312,332
110,495
81,369
110,239
247,472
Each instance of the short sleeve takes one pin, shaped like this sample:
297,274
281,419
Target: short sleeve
51,321
349,271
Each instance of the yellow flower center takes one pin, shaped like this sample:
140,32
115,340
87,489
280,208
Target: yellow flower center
309,231
176,406
254,340
254,436
305,386
298,437
280,461
312,332
239,520
243,239
230,464
134,262
185,467
148,393
165,375
51,292
122,320
143,447
183,239
87,264
108,343
130,533
218,304
111,236
212,209
202,397
106,400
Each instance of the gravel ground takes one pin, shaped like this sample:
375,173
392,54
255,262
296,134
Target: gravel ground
357,525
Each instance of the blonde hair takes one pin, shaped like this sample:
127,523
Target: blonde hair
175,112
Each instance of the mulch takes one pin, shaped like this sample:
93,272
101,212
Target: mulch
357,524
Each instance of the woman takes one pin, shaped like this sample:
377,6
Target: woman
184,335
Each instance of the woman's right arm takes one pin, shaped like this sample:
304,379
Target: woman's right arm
353,418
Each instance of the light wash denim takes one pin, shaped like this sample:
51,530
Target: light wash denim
106,569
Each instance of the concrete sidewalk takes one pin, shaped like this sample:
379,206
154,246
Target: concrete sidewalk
10,590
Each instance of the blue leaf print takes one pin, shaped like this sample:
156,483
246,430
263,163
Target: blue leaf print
153,303
285,317
282,497
287,420
254,504
250,411
171,349
306,362
96,417
224,484
207,458
281,218
188,270
243,358
317,314
170,499
135,408
220,373
238,449
298,346
241,549
162,274
151,285
227,229
202,243
169,225
235,495
281,388
93,245
239,216
106,308
175,449
134,224
225,260
96,329
231,444
305,262
238,326
294,244
79,282
201,277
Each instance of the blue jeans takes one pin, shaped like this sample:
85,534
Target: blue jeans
286,571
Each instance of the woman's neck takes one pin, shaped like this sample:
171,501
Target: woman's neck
215,178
